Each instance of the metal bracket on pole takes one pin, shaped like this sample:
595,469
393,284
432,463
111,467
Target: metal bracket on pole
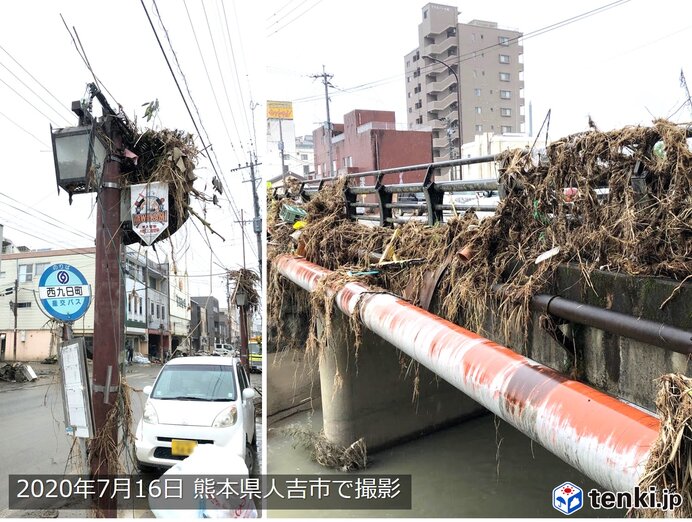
110,185
107,389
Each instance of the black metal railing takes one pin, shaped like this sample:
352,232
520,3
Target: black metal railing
431,205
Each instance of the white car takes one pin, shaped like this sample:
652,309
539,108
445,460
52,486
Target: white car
197,400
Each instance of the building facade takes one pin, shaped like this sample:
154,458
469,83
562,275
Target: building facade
36,336
369,140
488,62
146,301
205,326
180,312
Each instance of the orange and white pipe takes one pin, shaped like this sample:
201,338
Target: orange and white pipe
604,438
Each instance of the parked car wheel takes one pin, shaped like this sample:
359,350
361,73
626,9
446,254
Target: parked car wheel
251,458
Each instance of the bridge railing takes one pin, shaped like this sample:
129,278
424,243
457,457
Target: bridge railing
431,208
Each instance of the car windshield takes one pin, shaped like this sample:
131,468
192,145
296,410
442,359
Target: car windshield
195,382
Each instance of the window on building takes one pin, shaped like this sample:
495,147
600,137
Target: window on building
504,77
410,110
152,282
158,311
39,268
306,170
504,58
408,79
334,166
452,51
304,157
478,110
504,40
26,273
452,31
163,312
24,305
419,120
479,128
425,15
506,95
506,129
129,303
408,95
152,309
477,92
505,111
139,300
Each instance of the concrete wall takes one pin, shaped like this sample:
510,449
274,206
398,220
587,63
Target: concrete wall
617,365
373,394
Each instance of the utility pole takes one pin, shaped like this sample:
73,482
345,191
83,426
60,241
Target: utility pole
325,80
257,221
14,309
108,311
281,152
244,356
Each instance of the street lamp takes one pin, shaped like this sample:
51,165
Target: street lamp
461,132
79,156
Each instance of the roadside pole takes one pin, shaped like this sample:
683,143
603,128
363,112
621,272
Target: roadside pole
107,316
14,309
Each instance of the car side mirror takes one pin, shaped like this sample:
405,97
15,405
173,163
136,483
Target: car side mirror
248,394
147,389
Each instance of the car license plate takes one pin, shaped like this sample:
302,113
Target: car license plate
183,448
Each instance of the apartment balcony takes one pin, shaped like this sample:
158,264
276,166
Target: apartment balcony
441,85
444,103
441,47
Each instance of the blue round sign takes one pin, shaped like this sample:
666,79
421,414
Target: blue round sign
64,292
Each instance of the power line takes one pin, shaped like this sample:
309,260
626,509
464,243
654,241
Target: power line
293,9
235,69
27,101
296,18
223,81
472,55
280,9
34,78
23,129
56,225
35,93
213,152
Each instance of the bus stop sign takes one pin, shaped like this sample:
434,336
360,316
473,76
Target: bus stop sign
64,292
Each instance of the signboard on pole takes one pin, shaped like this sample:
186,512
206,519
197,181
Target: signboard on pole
279,110
64,292
75,390
149,206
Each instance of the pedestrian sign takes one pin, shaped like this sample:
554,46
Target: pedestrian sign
64,292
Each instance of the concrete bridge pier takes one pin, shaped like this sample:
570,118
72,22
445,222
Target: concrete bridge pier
371,394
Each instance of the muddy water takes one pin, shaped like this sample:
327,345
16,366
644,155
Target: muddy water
470,470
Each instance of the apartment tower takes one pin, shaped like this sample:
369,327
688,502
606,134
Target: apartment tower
488,63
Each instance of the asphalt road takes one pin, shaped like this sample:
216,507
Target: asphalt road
32,430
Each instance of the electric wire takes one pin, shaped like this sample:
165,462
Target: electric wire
223,80
23,129
28,102
74,230
296,18
235,69
275,13
471,55
60,103
220,176
35,93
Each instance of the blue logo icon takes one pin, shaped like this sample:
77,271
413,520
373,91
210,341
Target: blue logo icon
568,498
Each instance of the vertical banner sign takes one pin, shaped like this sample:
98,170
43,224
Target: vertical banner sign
149,206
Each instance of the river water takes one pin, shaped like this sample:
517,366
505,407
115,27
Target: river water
474,469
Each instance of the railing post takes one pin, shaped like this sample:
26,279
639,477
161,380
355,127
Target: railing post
349,197
433,197
383,198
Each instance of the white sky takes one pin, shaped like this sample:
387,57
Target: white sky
125,56
621,66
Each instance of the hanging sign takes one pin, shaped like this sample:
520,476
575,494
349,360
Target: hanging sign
149,206
64,292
